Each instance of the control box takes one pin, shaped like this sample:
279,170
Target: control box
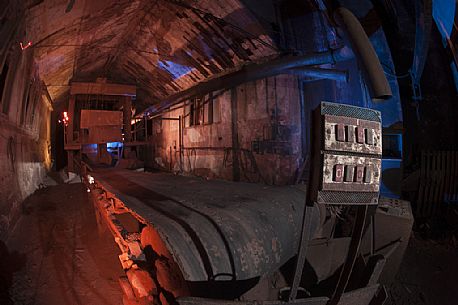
346,155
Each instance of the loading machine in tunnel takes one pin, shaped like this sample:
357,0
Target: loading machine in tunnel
98,125
185,241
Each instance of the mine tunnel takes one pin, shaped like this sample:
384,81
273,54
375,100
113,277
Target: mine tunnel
228,152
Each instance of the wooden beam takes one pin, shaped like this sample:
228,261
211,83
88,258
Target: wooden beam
103,88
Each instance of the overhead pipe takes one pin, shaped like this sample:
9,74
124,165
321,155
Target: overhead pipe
252,72
364,51
319,73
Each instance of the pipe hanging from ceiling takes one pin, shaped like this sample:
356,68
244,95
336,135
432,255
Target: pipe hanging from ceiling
364,52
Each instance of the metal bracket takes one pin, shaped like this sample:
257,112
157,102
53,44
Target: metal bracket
355,242
303,245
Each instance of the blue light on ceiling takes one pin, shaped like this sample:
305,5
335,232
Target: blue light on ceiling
173,68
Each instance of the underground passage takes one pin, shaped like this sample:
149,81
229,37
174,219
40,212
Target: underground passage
228,152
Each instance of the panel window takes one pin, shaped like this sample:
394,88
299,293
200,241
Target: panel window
202,111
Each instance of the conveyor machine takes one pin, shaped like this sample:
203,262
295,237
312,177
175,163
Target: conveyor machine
193,244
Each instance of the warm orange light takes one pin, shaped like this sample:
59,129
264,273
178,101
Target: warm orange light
65,119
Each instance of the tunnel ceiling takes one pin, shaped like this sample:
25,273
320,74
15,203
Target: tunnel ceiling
161,46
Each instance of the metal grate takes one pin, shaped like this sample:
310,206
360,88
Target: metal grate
347,197
350,111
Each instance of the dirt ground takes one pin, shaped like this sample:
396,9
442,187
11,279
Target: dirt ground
428,274
55,254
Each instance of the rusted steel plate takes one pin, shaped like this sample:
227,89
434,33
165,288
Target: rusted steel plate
93,118
215,229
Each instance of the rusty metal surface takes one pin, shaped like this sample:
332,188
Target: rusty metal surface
215,230
350,128
92,118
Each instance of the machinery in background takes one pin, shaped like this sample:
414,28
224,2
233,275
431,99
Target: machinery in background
98,125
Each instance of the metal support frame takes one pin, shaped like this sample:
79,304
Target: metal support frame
305,238
355,242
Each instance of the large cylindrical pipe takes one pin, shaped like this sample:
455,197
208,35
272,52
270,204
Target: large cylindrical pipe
364,51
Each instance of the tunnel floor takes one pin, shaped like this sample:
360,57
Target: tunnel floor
55,254
428,273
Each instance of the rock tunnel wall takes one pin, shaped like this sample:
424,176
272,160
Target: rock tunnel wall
249,133
24,133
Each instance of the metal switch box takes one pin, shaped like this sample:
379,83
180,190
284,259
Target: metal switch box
346,155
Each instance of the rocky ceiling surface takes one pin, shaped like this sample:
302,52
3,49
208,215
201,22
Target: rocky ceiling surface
161,46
